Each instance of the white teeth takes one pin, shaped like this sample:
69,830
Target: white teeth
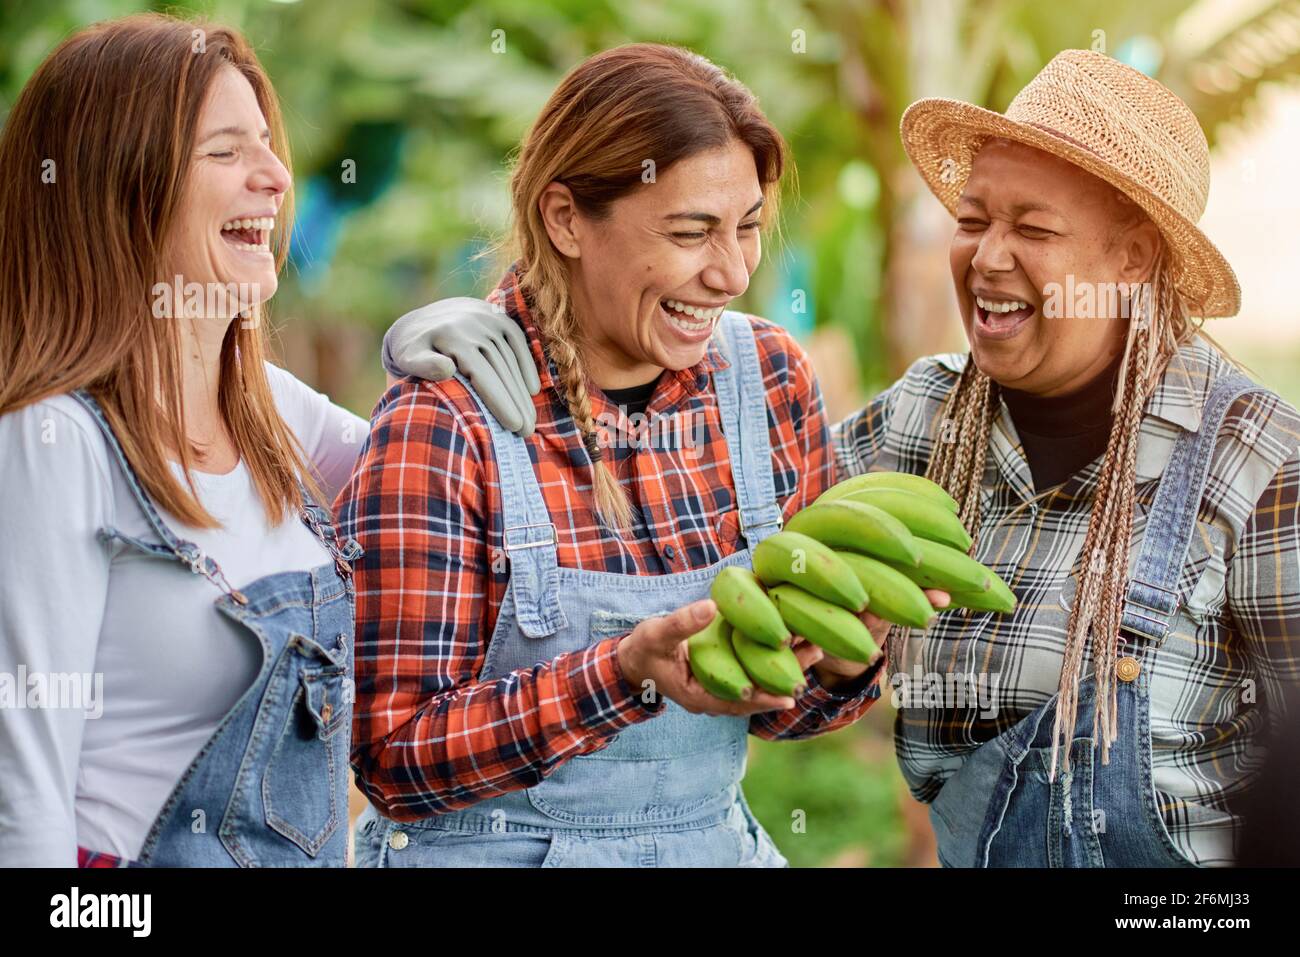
261,222
990,305
703,315
689,326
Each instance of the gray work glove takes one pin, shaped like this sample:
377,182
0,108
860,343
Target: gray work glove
476,339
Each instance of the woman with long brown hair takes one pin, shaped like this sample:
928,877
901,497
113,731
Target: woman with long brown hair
523,692
179,607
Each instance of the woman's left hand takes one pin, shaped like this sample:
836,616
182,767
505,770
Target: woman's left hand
832,671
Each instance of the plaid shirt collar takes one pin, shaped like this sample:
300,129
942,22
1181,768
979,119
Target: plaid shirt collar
1174,406
683,382
1185,384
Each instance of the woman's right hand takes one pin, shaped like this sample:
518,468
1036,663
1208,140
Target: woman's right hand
656,652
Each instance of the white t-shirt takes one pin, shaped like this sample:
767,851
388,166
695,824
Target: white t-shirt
97,772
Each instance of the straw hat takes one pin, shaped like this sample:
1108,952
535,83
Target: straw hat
1116,123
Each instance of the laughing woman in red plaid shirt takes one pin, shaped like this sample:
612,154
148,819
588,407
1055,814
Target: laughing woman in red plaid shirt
523,691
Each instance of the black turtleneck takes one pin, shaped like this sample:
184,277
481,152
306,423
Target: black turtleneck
634,399
1063,433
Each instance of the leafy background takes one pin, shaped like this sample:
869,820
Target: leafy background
414,94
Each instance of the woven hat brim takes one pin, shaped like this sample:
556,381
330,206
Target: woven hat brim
942,136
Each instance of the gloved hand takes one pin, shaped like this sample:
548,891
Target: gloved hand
480,341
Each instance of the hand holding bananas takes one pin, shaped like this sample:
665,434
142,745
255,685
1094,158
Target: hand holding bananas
655,660
859,558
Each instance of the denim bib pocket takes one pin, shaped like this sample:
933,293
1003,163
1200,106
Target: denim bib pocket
309,751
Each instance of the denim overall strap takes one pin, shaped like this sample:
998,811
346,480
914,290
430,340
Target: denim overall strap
529,537
172,547
316,517
1152,596
321,522
742,403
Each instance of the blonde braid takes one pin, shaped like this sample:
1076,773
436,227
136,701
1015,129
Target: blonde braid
558,326
1156,330
957,461
1099,600
612,503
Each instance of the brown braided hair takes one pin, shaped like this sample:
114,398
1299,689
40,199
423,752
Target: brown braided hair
1159,325
610,115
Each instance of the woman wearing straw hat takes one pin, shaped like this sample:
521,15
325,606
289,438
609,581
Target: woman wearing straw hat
1136,491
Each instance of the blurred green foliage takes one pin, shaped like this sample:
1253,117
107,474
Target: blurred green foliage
429,97
464,101
835,799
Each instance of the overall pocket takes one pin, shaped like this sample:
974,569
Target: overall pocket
305,783
425,846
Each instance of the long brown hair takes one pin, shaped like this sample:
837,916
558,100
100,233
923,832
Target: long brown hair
94,163
610,114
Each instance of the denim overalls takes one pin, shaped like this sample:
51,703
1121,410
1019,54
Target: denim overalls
666,792
272,780
1000,810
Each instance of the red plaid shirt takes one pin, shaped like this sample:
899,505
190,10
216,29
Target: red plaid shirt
424,502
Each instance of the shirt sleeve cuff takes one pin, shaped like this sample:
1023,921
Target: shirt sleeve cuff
831,701
604,701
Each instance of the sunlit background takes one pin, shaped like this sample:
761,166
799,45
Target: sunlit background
428,101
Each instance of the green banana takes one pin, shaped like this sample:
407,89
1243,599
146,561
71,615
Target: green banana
894,596
747,608
948,569
773,669
858,528
800,560
828,626
900,480
713,662
922,516
998,598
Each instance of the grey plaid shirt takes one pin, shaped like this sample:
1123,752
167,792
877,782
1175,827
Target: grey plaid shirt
1234,641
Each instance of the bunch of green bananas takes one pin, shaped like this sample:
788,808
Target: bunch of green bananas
872,541
895,522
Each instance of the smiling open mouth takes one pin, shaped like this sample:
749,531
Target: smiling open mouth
249,235
690,320
1001,318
